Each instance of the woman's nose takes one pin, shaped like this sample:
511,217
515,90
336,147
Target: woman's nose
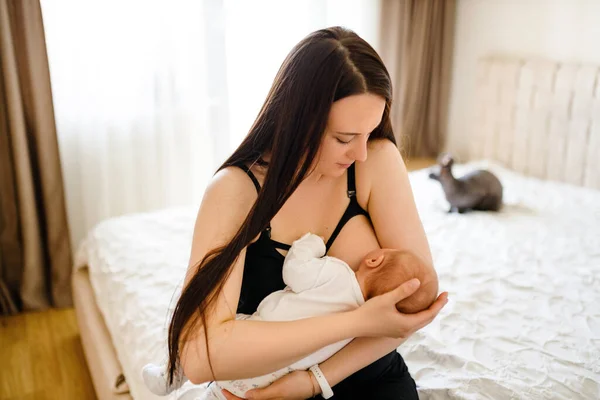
359,152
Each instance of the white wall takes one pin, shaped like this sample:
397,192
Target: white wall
562,30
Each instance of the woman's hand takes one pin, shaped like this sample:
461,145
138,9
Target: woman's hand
379,316
293,386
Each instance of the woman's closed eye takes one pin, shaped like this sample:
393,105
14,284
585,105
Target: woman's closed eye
343,141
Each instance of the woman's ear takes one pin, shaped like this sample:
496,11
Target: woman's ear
375,262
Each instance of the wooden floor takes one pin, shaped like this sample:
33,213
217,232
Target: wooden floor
41,355
41,358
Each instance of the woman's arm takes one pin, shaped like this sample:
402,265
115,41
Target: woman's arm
363,351
359,353
356,355
391,206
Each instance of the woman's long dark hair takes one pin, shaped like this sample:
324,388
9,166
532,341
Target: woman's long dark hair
325,66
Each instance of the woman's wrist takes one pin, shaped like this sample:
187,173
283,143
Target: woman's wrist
314,383
328,373
326,391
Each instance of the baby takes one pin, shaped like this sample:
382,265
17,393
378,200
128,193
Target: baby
317,285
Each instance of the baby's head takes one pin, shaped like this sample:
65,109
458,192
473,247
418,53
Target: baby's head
383,270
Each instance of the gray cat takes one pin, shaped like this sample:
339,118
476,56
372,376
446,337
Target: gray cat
478,190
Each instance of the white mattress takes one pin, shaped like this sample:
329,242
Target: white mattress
523,319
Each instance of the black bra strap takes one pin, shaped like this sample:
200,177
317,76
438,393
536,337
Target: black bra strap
351,185
352,209
275,243
251,175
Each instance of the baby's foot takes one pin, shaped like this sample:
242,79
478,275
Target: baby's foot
155,378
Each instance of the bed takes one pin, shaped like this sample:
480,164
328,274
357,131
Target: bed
523,321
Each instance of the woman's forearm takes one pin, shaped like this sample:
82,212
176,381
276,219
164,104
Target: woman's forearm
242,349
356,355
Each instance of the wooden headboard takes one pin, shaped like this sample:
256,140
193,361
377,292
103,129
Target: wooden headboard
539,118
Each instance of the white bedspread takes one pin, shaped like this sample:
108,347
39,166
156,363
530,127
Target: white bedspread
523,321
137,264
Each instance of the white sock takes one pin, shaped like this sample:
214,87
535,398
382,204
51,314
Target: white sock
155,378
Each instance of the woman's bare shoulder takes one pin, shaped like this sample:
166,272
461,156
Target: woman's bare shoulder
227,200
231,186
381,151
382,155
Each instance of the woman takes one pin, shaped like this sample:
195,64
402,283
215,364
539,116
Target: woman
320,152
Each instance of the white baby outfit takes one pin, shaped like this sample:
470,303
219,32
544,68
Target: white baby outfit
316,285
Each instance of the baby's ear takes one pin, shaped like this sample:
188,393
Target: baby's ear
375,262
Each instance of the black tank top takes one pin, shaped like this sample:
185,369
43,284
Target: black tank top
263,266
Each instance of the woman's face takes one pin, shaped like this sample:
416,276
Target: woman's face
351,121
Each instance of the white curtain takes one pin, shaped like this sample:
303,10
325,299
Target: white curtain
151,96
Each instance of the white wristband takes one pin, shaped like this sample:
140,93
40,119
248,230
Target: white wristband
326,391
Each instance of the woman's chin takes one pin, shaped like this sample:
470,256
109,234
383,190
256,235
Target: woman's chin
335,171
